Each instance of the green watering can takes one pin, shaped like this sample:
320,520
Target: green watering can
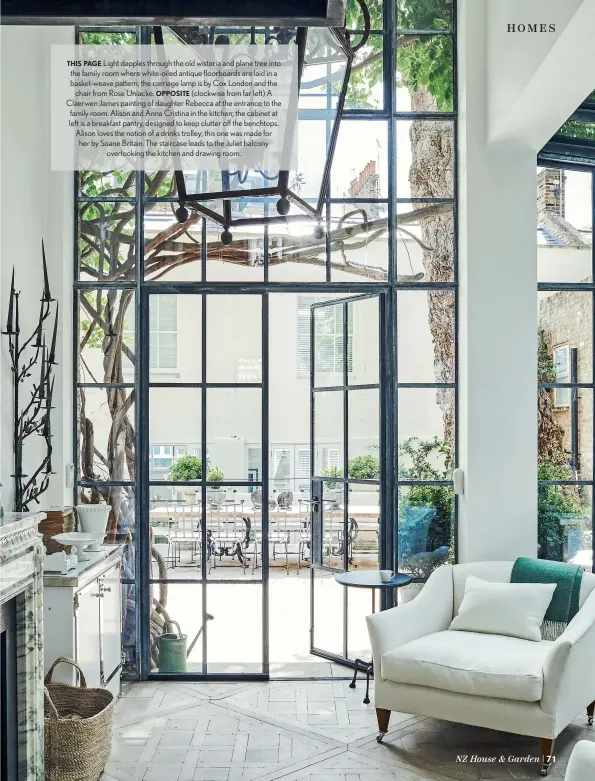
172,650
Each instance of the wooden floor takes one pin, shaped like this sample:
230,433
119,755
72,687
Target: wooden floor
303,731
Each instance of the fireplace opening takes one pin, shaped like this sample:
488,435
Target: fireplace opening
8,692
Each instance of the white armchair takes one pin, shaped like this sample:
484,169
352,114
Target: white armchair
492,681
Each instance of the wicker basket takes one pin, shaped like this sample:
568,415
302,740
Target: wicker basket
78,728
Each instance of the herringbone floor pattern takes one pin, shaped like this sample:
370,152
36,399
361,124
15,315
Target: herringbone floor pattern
304,731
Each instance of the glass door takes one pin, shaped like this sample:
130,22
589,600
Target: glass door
346,464
204,483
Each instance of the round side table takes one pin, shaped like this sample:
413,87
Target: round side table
369,578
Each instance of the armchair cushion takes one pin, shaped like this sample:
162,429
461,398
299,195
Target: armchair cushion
513,609
471,663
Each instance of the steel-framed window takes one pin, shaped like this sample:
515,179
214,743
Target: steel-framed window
387,122
563,498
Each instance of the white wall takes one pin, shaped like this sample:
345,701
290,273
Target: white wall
515,92
35,203
536,80
498,321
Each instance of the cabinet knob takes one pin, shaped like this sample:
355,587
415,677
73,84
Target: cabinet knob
108,588
95,595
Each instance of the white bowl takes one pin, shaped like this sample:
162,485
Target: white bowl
75,538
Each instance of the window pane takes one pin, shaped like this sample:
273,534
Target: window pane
233,429
106,335
565,326
364,434
436,15
426,528
565,434
565,529
328,596
234,533
182,602
564,225
430,315
360,167
234,338
364,345
359,242
359,605
112,184
364,524
106,438
426,433
365,89
328,433
354,18
175,325
175,421
172,250
312,137
295,254
424,73
237,613
425,242
243,259
106,245
425,162
329,349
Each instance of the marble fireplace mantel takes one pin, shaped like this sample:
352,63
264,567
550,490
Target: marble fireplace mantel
21,577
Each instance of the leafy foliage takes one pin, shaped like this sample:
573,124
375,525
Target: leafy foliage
428,62
190,468
576,129
554,503
425,457
424,14
186,468
332,472
429,459
364,468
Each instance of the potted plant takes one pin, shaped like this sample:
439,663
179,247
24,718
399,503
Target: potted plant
185,469
365,468
333,489
215,495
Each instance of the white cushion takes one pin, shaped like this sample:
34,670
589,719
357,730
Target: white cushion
498,572
470,663
512,609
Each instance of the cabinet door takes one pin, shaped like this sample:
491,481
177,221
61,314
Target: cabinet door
111,623
87,633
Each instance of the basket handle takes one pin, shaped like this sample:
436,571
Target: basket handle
168,623
48,700
67,660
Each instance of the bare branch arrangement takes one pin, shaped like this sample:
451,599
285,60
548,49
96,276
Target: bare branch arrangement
34,417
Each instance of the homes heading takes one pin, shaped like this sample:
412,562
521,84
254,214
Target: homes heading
531,28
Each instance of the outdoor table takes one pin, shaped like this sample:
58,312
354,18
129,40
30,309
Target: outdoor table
369,578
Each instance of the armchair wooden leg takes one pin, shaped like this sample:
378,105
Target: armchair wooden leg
383,717
590,711
546,750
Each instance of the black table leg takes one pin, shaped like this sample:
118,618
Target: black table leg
365,667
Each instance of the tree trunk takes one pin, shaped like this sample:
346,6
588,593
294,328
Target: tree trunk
431,176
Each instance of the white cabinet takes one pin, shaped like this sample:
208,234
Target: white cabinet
83,619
